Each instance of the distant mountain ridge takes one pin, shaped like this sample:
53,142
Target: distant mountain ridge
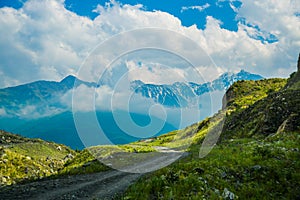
181,94
46,95
41,90
40,94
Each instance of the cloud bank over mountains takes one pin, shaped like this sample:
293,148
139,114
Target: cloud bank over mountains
44,40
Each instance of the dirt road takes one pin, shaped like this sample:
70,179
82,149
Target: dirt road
103,185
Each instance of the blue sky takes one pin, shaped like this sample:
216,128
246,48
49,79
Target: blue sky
189,12
49,39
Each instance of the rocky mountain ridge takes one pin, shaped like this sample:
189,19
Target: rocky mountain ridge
182,94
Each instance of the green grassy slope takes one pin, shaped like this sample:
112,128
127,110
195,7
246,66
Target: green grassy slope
28,159
249,169
267,115
24,159
256,157
82,163
242,94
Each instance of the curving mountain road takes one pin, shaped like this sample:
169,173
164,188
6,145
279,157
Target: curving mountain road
103,185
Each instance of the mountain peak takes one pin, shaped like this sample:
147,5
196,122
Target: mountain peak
243,71
69,78
250,75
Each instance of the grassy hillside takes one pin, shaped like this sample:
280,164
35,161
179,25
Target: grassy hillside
256,157
24,159
82,163
244,168
28,159
242,94
266,116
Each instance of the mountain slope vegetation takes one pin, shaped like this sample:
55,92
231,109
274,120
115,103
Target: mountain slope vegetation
29,159
257,155
280,109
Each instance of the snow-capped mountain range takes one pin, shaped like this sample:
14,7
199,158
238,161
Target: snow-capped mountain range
46,95
181,94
